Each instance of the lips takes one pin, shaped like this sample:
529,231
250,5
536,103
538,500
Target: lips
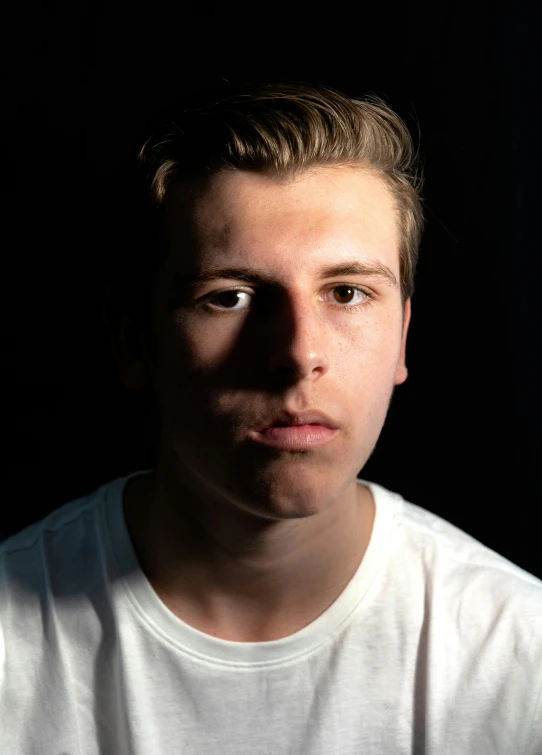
287,418
291,438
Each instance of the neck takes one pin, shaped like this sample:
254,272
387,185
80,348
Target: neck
231,574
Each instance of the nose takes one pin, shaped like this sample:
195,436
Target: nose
296,339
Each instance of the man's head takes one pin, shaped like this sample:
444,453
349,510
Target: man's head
278,184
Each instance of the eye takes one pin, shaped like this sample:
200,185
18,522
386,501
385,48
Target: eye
345,288
229,297
223,300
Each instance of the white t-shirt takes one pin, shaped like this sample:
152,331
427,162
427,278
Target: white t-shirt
433,648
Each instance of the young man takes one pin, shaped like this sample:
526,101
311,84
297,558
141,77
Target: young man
250,595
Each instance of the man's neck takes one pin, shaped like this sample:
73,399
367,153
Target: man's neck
247,592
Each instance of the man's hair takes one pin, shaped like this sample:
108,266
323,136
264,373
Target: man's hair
277,129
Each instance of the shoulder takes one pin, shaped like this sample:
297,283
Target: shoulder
463,579
48,558
484,596
483,616
49,529
452,550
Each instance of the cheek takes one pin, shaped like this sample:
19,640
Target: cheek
370,355
175,373
201,345
190,373
182,349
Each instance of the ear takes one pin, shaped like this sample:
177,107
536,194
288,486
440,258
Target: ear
401,373
127,344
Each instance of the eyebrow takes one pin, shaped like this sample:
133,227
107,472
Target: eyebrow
369,268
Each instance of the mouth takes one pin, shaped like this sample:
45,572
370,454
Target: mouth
299,419
292,437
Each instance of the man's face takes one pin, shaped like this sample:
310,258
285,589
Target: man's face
298,340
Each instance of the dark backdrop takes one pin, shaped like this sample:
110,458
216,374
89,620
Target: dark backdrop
463,435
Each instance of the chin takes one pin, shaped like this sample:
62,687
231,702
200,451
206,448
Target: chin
290,496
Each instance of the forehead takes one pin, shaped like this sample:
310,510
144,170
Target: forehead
243,215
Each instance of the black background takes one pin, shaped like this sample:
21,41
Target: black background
463,435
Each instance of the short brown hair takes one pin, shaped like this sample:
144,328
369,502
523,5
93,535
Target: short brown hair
281,129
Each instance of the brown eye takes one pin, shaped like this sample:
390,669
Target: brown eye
342,290
344,300
227,299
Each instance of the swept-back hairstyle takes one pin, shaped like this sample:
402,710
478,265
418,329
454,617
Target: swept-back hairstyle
277,129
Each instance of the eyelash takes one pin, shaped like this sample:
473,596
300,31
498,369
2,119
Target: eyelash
356,307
